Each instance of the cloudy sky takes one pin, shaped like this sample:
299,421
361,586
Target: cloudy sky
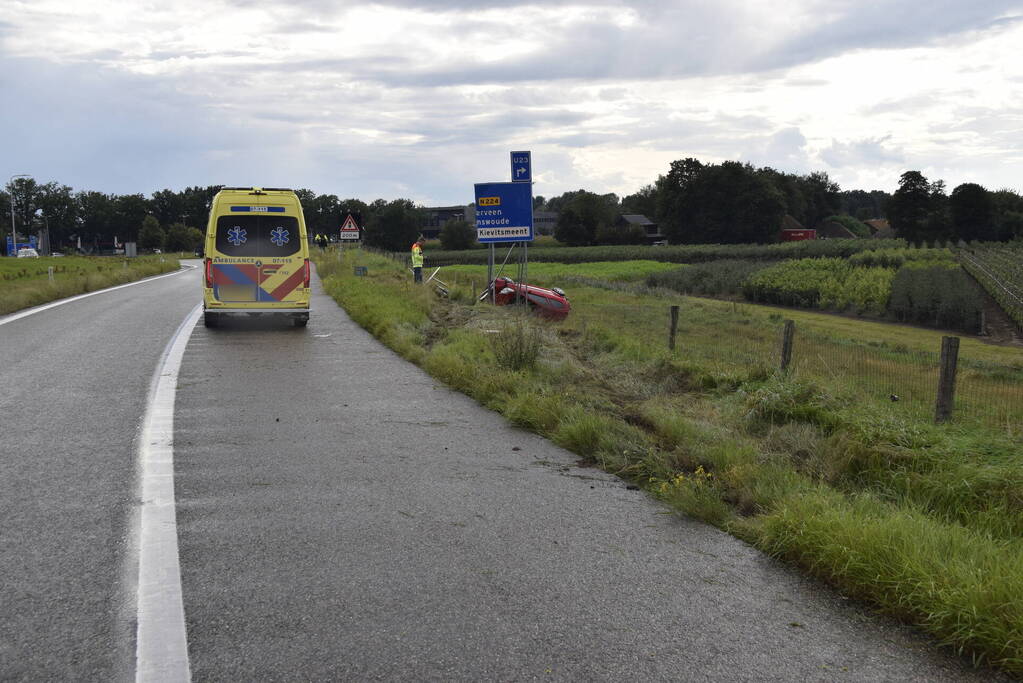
422,99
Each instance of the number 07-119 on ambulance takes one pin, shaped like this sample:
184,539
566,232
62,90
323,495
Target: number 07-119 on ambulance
257,256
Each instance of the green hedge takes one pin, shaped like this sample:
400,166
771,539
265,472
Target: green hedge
715,278
684,253
941,295
896,258
826,283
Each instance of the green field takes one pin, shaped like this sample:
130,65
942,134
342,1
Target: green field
681,253
25,282
999,269
610,271
819,465
880,279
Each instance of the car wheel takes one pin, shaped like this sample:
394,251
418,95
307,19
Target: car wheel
210,319
301,322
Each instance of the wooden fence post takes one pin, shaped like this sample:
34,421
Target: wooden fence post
786,344
947,379
674,327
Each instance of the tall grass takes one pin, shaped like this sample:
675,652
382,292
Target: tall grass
25,282
922,521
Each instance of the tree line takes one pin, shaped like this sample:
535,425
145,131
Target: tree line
920,210
167,219
733,203
693,203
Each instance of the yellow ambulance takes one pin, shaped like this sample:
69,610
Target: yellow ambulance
257,256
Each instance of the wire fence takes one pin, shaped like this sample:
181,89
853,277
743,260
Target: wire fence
888,376
732,338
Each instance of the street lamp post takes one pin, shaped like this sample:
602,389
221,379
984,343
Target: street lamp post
14,234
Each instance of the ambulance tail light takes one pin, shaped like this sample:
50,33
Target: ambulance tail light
305,267
209,273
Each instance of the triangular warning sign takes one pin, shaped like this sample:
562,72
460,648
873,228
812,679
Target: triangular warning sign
350,224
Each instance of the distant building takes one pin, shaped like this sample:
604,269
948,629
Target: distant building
789,222
437,216
544,222
835,230
793,231
880,228
650,229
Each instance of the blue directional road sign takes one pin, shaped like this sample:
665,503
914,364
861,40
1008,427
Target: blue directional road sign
522,167
504,212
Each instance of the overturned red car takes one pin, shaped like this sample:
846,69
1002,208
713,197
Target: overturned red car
548,303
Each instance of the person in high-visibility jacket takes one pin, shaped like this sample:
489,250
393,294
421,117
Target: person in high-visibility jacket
417,259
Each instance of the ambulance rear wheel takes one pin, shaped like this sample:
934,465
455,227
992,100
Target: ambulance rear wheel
301,322
211,319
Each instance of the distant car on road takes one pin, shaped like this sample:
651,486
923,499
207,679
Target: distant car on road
27,252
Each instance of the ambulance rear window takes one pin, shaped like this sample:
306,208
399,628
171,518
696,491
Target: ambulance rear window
257,235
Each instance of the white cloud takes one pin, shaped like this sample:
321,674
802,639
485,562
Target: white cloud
423,99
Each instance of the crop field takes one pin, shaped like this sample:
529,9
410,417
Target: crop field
835,466
881,279
686,253
1000,271
609,271
26,282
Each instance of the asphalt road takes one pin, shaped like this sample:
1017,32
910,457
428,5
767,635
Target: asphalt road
341,516
73,386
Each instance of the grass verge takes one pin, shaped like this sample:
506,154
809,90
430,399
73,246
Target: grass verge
921,521
26,282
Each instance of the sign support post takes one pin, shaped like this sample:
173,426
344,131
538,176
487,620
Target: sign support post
490,273
504,213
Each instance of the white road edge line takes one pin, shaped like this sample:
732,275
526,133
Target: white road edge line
161,645
60,302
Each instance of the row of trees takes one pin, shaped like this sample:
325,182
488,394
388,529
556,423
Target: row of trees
166,219
920,210
693,203
97,220
735,202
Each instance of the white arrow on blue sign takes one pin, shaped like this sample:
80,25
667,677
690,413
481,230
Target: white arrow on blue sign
521,167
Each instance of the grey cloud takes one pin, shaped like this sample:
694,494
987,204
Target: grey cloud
674,41
104,55
304,27
806,82
903,105
894,24
613,94
126,130
580,140
450,127
912,105
864,152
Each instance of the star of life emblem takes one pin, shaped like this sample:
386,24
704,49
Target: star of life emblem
279,236
236,236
